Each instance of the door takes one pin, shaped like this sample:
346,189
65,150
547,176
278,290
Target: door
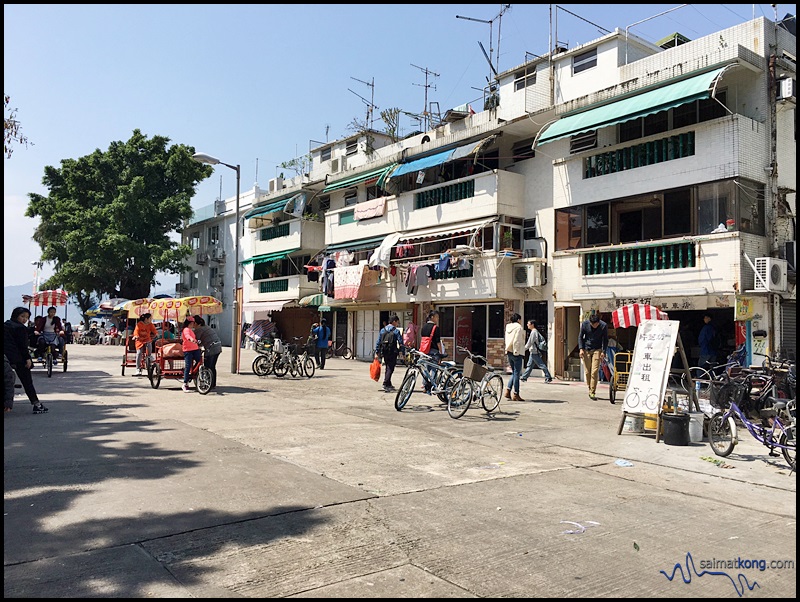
560,342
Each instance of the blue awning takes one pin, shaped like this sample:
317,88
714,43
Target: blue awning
659,99
452,154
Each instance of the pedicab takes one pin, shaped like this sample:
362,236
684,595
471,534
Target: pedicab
168,361
51,298
130,310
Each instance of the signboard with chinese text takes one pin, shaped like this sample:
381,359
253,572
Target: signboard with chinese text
652,358
745,308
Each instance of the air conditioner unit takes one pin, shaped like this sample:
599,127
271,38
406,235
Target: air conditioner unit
338,164
218,255
218,282
773,272
219,207
275,184
787,89
527,275
202,259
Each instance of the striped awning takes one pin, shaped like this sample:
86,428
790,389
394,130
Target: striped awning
315,299
50,298
365,176
259,259
633,314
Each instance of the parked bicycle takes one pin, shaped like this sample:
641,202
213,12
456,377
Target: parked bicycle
773,426
478,381
442,376
339,348
293,363
708,372
268,352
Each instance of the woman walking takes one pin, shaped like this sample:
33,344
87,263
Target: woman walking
515,351
15,348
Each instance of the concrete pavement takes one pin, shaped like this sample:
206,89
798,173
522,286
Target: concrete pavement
320,488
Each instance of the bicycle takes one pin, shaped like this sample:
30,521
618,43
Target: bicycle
294,363
268,354
770,431
48,358
339,348
442,376
478,374
709,372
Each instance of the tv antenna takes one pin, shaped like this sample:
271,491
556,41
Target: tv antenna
426,119
499,18
371,106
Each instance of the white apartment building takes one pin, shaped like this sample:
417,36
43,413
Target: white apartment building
612,172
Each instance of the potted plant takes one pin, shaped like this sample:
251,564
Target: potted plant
508,240
273,268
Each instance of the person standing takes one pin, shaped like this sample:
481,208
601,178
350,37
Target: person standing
515,352
15,348
431,343
212,346
323,334
191,350
707,340
535,345
144,334
592,341
388,347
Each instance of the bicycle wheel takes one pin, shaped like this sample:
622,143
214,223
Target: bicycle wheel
262,365
460,397
406,389
331,352
491,393
790,449
704,376
203,380
295,368
48,362
280,367
154,375
721,434
308,367
347,353
445,381
64,361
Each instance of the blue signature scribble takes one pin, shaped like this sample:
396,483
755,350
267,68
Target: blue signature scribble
739,584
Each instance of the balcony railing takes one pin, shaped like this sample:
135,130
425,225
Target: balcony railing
445,194
667,256
450,274
277,285
274,232
640,155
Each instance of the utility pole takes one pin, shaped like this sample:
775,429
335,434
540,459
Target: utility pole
425,113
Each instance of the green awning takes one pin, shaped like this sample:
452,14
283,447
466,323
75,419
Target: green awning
660,99
374,174
259,259
356,245
315,299
272,207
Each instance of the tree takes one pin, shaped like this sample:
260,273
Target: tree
391,119
12,130
108,216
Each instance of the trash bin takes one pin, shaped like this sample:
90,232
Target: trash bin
676,428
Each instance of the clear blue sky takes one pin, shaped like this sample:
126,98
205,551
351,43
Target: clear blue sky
253,84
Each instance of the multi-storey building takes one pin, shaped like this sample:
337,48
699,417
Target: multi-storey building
612,172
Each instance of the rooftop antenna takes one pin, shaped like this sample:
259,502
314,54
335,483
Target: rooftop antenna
256,171
219,198
425,113
370,103
490,22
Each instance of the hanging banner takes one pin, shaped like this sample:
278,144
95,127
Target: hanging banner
652,357
745,308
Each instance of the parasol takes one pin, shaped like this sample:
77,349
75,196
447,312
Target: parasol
178,309
50,297
135,307
634,313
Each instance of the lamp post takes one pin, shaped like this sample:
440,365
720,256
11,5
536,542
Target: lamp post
209,160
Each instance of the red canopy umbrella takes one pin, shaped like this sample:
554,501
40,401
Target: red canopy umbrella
51,297
633,314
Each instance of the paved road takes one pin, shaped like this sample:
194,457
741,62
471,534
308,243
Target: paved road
320,488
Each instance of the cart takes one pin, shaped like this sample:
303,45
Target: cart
131,310
56,298
169,363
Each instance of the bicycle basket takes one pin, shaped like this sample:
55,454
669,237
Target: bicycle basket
723,393
473,370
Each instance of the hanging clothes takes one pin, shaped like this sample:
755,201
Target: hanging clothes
313,270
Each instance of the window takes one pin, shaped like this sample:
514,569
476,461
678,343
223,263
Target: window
656,123
569,223
194,280
350,197
630,130
529,229
325,154
351,148
584,61
598,222
712,109
213,235
714,206
582,142
643,223
523,150
750,198
324,203
347,217
373,192
497,327
213,275
678,212
523,80
446,321
194,240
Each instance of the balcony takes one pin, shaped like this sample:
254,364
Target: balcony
482,195
642,258
281,288
290,235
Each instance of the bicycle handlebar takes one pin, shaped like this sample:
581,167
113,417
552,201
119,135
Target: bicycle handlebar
471,355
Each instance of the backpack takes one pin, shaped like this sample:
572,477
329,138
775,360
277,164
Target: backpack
388,343
541,343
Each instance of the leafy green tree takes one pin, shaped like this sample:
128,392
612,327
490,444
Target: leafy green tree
107,220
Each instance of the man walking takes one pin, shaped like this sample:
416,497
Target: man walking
592,341
535,345
388,347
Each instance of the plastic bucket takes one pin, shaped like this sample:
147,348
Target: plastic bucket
634,423
650,422
696,426
676,429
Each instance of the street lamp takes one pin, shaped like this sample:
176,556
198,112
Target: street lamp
209,160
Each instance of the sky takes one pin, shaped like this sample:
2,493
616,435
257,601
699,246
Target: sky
259,85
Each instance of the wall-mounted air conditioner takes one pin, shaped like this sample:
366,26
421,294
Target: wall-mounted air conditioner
218,254
218,281
528,275
275,184
773,272
202,259
787,89
338,164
